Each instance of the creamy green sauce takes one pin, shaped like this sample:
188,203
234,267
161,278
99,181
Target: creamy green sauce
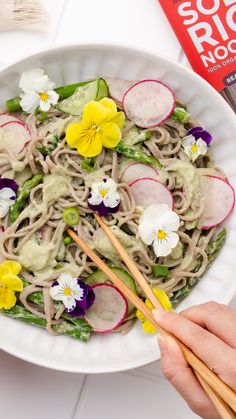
190,176
103,245
36,256
92,177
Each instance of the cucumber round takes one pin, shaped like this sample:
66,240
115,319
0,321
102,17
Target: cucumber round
74,105
99,277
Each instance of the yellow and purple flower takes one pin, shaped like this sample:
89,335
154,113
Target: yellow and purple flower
199,132
196,143
104,197
76,296
8,190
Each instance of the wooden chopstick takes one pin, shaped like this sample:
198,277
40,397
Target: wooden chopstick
207,375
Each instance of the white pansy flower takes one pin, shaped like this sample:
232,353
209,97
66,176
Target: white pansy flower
194,148
7,199
68,290
37,91
104,197
157,226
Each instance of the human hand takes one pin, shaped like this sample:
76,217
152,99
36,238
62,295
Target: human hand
209,330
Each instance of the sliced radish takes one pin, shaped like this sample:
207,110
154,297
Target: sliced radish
14,136
118,87
136,171
219,201
148,191
6,117
109,310
148,103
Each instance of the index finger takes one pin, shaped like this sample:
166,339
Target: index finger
217,318
209,348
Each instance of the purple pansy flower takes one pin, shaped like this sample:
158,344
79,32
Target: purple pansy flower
104,197
8,190
199,132
76,296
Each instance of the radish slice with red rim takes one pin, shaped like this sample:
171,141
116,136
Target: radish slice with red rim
219,198
136,171
148,191
6,117
14,136
109,309
148,103
118,87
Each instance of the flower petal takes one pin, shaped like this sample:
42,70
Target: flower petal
109,104
4,270
94,113
110,134
202,146
147,232
148,327
69,303
44,105
188,141
29,102
173,239
14,267
112,200
43,84
12,282
27,80
169,221
56,292
7,298
153,214
7,194
95,199
119,119
53,97
163,298
73,134
109,184
161,247
90,148
8,183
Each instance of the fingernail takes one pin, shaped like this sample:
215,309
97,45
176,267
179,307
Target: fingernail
158,314
162,342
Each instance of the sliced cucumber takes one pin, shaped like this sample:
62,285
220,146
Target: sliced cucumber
98,277
74,105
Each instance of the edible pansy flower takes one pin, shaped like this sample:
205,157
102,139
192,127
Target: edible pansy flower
37,91
104,197
8,190
9,283
157,226
194,148
166,304
76,296
100,127
199,132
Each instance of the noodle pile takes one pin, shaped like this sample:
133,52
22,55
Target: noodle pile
46,222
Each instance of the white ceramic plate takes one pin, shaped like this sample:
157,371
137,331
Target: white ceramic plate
109,353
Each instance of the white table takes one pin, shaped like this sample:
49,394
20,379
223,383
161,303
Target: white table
30,392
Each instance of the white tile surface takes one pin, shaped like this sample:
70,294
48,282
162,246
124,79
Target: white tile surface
139,23
140,393
131,396
27,391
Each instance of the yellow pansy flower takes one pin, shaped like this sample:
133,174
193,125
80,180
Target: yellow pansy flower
166,304
9,283
100,127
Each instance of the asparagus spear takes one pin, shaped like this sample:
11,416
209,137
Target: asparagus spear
137,154
180,115
89,164
79,330
213,249
23,195
13,105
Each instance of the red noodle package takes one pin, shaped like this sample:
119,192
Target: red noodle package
207,31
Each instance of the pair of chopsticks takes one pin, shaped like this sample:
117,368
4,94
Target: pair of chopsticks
223,398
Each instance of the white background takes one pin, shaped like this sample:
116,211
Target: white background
27,391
